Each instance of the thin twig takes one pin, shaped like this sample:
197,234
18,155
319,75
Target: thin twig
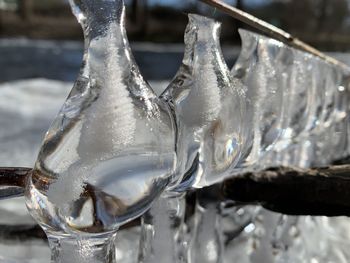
12,182
273,32
14,176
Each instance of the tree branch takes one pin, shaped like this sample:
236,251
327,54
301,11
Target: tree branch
12,181
14,176
319,191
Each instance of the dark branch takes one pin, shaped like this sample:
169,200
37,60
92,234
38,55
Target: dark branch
12,181
320,191
14,176
21,232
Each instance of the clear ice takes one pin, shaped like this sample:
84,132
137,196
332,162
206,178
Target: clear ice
206,242
258,67
163,231
209,108
313,129
111,150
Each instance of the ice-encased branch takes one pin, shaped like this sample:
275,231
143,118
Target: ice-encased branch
318,191
273,31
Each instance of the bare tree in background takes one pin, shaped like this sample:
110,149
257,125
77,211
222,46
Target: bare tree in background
319,15
1,22
331,14
144,15
139,14
134,10
25,9
240,4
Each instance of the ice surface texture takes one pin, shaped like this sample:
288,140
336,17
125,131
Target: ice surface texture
291,96
259,68
311,131
209,107
110,151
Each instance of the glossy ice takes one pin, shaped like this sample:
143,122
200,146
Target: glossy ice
328,140
269,237
206,244
259,68
296,102
315,135
110,151
163,233
209,107
313,131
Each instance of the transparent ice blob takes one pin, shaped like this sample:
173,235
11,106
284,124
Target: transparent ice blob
110,151
259,68
209,107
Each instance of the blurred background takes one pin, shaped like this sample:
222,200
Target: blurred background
24,24
323,23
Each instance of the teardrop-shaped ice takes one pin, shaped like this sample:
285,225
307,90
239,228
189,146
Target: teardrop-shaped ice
110,151
208,104
293,74
259,68
292,96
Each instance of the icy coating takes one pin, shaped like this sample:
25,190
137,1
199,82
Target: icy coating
313,134
110,151
293,101
258,67
163,232
209,107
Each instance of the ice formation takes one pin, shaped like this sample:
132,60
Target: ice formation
110,151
